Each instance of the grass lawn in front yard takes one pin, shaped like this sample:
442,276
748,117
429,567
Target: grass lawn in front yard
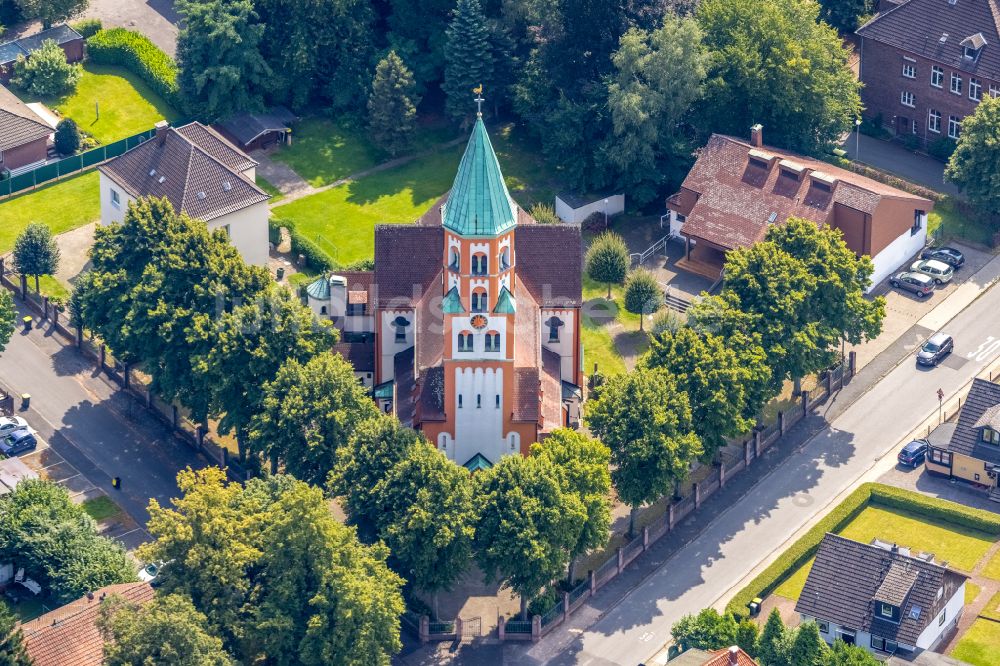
992,568
101,508
610,332
63,205
971,592
981,644
961,222
127,105
792,586
265,185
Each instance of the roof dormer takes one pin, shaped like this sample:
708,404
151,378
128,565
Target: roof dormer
973,46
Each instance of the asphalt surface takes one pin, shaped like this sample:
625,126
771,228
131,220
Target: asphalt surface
895,159
804,486
92,424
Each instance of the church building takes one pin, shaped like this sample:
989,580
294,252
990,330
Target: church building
468,328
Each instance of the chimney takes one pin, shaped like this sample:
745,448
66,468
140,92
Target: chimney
161,131
757,136
90,597
734,656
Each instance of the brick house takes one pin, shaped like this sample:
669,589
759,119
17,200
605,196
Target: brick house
24,135
926,64
68,39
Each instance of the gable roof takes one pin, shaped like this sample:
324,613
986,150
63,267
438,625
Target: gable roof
723,657
249,126
848,576
68,636
981,408
175,164
479,203
734,190
407,259
60,34
215,145
18,123
917,26
549,262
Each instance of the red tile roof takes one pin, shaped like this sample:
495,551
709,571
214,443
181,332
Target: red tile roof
68,636
723,658
735,199
18,123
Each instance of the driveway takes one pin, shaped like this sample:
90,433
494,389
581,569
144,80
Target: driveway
156,19
895,159
753,530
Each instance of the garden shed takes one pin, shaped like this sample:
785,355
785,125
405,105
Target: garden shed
575,208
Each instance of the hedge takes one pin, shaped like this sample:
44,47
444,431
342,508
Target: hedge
87,27
274,231
134,52
869,493
316,259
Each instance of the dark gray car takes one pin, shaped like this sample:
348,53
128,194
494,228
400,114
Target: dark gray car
935,349
918,283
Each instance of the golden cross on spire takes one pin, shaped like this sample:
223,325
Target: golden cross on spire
479,99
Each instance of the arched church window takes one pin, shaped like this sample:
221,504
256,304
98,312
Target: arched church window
554,324
465,341
505,258
480,264
479,300
454,258
400,324
492,341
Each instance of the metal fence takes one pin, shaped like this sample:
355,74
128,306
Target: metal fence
517,627
579,591
554,613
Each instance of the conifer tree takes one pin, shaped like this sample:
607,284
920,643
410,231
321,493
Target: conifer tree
468,57
12,651
392,105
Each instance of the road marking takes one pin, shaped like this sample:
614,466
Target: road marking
984,350
646,637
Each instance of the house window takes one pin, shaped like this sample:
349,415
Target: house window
906,98
460,401
971,53
943,616
498,400
479,401
954,126
322,310
934,121
940,593
788,173
479,264
400,323
909,71
994,90
884,645
554,324
757,162
991,436
941,457
918,222
937,76
824,627
115,198
465,342
226,229
956,83
355,309
479,300
492,341
913,126
975,89
886,610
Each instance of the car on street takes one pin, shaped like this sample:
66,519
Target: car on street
948,255
18,441
918,283
938,270
913,454
9,424
935,349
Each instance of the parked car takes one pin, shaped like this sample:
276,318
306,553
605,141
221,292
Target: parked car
938,270
9,424
920,284
913,454
18,441
935,349
948,255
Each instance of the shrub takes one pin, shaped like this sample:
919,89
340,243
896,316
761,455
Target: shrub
544,214
316,259
667,321
87,27
360,265
274,231
942,148
594,222
89,143
67,137
643,294
46,73
911,142
134,52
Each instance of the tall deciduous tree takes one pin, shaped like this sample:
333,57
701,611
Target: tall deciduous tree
607,259
251,343
46,73
166,630
788,71
51,11
468,57
714,379
12,650
392,105
528,525
581,464
975,164
221,69
36,252
309,412
8,318
428,519
643,294
646,422
844,15
708,630
658,77
417,33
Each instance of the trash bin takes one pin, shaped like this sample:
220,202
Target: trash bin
281,272
25,400
27,323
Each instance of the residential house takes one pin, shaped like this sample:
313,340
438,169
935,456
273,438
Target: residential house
71,42
470,320
253,131
24,135
732,656
973,453
926,64
881,596
68,636
201,174
737,189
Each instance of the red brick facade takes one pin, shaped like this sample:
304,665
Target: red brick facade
882,72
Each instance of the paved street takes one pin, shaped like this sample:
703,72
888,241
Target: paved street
714,562
895,159
92,425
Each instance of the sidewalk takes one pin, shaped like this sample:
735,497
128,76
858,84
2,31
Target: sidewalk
895,159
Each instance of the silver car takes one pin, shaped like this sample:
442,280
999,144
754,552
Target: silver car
938,270
9,424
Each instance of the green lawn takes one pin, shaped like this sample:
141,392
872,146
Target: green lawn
101,508
981,644
961,547
991,610
342,220
960,224
602,338
992,568
63,205
971,592
265,185
127,105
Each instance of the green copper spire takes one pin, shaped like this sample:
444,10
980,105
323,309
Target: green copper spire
479,204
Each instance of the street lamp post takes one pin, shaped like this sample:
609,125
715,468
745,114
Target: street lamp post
857,139
605,213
